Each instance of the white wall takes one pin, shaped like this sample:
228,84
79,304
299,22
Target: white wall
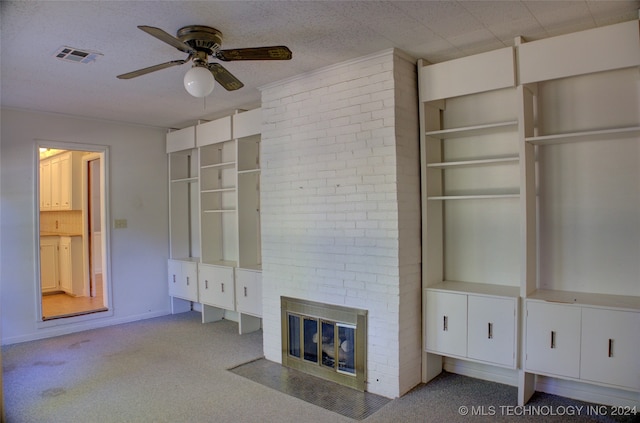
337,177
138,193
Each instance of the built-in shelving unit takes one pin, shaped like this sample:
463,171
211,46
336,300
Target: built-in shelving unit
544,171
215,180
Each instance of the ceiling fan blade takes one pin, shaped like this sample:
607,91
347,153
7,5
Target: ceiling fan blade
255,53
167,38
224,78
150,69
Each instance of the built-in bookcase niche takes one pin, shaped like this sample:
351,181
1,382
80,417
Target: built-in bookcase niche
249,201
218,203
184,194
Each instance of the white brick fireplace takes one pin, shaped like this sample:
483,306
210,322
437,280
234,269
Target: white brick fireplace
340,206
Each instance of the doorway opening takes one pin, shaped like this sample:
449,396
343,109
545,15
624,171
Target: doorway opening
72,231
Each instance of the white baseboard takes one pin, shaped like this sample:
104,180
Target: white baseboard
50,332
587,392
481,371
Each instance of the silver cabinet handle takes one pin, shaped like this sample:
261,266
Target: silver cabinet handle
174,278
187,280
206,284
245,291
222,287
445,323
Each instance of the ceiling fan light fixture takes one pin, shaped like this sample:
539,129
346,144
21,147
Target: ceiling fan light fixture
199,81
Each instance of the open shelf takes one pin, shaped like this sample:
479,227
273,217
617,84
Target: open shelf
583,135
471,197
218,165
477,288
244,172
185,180
470,131
480,162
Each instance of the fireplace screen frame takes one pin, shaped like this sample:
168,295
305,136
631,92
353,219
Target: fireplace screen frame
341,317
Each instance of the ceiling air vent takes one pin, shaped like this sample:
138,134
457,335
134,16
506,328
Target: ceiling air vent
70,54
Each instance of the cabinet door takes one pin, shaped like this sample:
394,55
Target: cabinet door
610,350
492,330
49,264
216,286
66,179
249,292
45,185
55,183
553,339
66,282
190,280
446,323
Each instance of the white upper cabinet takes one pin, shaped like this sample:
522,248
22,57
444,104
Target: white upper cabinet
213,132
182,139
595,50
248,123
469,75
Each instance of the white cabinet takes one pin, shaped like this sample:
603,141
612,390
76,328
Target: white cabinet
591,344
71,266
475,327
49,264
216,286
610,347
552,339
249,292
183,279
61,182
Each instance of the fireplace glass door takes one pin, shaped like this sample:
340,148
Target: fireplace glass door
329,344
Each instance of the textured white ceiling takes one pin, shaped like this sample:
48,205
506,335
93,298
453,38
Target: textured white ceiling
320,33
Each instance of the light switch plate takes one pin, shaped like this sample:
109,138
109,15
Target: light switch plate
120,223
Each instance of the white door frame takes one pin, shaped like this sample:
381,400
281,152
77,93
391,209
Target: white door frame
102,152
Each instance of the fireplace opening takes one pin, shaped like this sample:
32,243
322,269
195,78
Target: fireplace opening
325,340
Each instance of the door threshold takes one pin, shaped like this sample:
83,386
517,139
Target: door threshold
79,313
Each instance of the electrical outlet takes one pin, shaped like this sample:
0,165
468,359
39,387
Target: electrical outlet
120,223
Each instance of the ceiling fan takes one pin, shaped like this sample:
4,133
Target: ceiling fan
200,42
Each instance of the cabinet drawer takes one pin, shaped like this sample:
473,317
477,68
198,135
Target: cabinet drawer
553,339
611,347
446,323
492,330
249,292
216,286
